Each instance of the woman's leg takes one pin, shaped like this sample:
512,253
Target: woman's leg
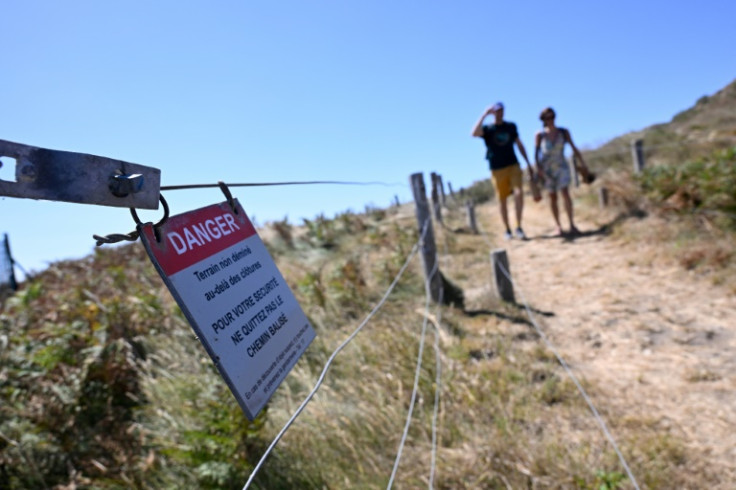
567,201
555,209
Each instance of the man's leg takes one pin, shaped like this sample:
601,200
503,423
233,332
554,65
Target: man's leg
504,212
517,189
502,184
519,205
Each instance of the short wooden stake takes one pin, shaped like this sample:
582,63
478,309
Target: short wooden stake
502,275
637,153
471,216
603,197
449,186
429,249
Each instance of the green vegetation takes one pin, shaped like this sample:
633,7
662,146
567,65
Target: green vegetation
706,185
103,384
690,207
479,192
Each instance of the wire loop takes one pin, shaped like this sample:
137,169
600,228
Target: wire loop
162,221
133,235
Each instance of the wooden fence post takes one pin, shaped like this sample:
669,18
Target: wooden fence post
471,216
441,186
637,153
501,275
602,197
449,186
435,199
429,249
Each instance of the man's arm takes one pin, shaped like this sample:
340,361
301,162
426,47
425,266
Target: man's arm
537,145
478,128
522,150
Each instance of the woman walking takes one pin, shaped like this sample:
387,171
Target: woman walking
553,169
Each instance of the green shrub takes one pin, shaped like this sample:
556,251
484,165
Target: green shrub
479,192
706,185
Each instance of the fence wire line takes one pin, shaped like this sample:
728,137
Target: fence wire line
417,372
715,212
438,380
296,182
564,364
437,392
568,370
332,357
438,368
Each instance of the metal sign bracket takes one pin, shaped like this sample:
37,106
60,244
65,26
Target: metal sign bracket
56,175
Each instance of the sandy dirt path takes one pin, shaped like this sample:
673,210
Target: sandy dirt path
657,342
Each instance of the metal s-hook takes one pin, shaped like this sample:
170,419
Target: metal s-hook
226,190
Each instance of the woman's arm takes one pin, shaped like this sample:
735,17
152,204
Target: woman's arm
575,151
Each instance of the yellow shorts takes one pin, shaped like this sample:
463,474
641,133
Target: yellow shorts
506,179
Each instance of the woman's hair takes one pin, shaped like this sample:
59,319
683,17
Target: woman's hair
548,111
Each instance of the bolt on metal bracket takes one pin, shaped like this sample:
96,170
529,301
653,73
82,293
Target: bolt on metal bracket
56,175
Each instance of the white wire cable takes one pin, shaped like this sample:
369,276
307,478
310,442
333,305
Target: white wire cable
564,364
435,412
714,212
417,373
437,389
569,372
438,380
332,357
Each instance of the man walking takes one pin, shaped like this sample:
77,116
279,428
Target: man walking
500,138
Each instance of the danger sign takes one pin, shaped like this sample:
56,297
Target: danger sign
228,286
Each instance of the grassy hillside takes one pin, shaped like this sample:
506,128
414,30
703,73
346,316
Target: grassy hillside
687,190
697,132
103,384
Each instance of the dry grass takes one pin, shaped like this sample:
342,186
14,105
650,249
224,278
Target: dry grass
508,417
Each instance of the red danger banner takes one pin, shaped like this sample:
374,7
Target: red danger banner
235,298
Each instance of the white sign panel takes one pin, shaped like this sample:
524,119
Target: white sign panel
234,296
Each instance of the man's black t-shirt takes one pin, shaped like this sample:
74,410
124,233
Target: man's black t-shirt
500,139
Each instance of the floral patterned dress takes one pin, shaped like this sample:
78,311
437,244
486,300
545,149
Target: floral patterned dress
552,160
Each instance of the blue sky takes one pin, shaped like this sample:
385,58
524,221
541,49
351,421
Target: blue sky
327,90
